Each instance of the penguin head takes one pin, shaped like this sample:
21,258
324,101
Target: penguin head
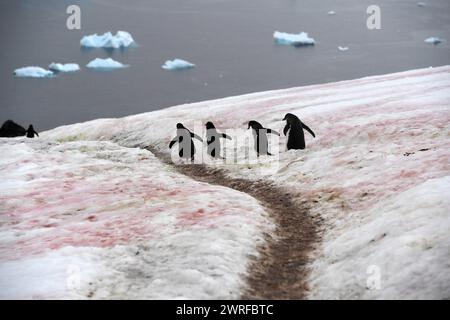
290,118
254,125
210,125
30,127
180,126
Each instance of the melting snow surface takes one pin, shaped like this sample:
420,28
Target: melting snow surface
121,39
376,175
91,219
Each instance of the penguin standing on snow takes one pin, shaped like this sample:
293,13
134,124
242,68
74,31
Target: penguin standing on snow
294,131
213,142
31,132
186,148
260,137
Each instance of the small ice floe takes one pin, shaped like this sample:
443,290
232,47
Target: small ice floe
421,4
105,64
433,40
64,67
342,48
331,13
121,39
33,72
300,39
177,64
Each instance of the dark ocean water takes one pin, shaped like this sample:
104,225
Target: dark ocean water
230,41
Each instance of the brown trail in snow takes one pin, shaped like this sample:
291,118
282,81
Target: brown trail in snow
280,270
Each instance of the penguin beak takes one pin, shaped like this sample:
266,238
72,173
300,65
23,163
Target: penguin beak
284,118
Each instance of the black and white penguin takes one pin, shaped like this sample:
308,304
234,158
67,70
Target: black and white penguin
260,137
31,132
294,131
186,148
213,140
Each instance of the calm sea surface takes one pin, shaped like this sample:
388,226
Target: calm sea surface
230,41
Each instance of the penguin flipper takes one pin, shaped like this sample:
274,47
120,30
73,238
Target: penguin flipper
175,140
273,132
193,135
308,129
224,135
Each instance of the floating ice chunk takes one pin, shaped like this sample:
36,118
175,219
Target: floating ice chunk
177,64
421,4
67,67
105,64
342,48
300,39
32,72
122,39
331,13
433,40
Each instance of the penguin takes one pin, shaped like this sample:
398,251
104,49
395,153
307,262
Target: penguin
186,148
31,132
213,142
260,136
294,131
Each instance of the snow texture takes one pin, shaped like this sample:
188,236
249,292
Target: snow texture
177,64
377,175
300,39
32,72
91,219
121,39
67,67
105,64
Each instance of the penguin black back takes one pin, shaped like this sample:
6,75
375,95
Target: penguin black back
31,132
213,140
186,148
260,135
294,131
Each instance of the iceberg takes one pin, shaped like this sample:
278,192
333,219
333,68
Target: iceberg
33,72
105,64
67,67
433,40
300,39
177,64
342,48
121,39
331,13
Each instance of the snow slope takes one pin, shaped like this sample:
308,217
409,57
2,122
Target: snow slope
377,174
84,219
